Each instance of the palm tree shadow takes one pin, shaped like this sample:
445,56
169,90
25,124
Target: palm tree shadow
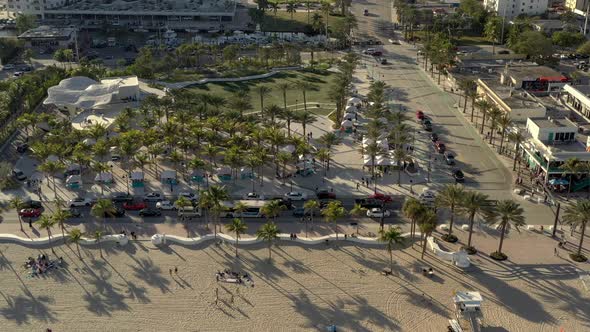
146,270
20,309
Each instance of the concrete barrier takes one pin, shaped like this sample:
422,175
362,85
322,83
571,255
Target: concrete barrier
119,238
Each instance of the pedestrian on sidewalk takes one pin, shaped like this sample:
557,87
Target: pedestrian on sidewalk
357,186
30,223
555,252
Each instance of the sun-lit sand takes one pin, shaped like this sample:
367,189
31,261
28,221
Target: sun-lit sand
305,288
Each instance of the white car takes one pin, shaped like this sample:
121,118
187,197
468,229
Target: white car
188,195
253,196
377,213
165,205
153,197
427,196
79,201
296,196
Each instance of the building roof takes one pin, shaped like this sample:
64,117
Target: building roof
549,24
44,32
85,93
511,97
531,73
554,123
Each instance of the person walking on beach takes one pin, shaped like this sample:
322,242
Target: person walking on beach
170,270
176,269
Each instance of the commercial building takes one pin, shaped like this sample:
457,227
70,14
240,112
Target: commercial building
577,6
512,8
576,97
549,144
143,12
519,104
49,37
534,79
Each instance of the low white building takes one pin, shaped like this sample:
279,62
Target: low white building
512,8
577,97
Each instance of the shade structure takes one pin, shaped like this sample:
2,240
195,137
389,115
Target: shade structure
351,108
354,100
346,124
104,177
287,148
224,171
73,179
89,141
137,176
349,116
556,182
168,174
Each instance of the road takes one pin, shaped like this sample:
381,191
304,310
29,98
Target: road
415,90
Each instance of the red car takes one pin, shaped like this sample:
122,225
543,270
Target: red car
134,206
30,213
419,115
382,197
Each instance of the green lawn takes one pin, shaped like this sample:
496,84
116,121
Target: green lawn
282,22
322,81
465,40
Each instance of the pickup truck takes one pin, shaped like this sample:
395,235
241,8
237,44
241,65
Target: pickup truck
368,203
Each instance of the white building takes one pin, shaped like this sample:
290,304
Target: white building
577,97
512,8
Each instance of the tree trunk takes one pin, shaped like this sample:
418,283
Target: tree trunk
471,218
20,221
423,247
237,237
465,105
516,150
78,249
581,238
269,251
452,219
502,238
390,260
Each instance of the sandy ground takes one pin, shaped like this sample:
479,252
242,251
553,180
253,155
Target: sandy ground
305,288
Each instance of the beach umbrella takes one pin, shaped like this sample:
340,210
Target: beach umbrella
350,109
354,100
349,116
346,124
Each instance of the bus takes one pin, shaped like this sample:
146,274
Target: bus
252,209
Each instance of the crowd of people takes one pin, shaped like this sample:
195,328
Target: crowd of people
42,264
234,277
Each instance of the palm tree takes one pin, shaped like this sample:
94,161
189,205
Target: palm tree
413,209
291,8
50,168
102,209
97,235
272,209
484,106
391,237
101,167
332,212
308,7
427,225
215,195
312,205
475,204
75,236
509,214
262,91
373,150
357,211
239,227
283,158
504,122
274,111
268,232
573,167
60,216
46,223
517,138
495,114
17,204
450,198
304,87
329,139
305,118
577,215
326,8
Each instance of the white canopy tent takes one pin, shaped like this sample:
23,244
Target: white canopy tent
104,177
137,176
354,101
168,175
468,301
346,124
349,116
287,148
73,179
351,109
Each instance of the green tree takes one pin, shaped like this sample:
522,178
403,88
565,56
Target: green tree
328,140
51,168
238,227
304,118
475,204
291,8
517,138
97,235
534,44
311,205
577,215
47,224
102,209
427,225
450,198
357,211
332,212
567,39
268,232
75,236
493,31
60,216
272,209
213,198
25,22
584,48
391,237
262,91
17,204
413,209
509,214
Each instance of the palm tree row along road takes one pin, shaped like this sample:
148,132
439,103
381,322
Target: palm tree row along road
412,88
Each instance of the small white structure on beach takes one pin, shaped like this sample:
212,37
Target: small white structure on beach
468,307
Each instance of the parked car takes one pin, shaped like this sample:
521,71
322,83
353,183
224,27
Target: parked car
118,197
427,125
378,213
116,213
440,147
394,41
377,53
434,137
419,115
369,51
449,158
31,204
73,212
152,197
29,213
18,73
188,195
287,203
384,61
165,205
18,174
382,197
134,206
368,203
253,196
296,196
79,201
148,212
325,194
301,212
458,176
427,196
8,66
189,212
22,147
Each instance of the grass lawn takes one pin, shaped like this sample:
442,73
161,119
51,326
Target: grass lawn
322,80
465,40
282,22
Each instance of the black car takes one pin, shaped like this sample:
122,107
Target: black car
22,148
433,137
31,204
73,213
118,197
325,194
368,203
449,158
284,202
116,213
383,61
301,212
459,176
148,212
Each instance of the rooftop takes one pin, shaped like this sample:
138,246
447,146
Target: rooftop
554,123
134,6
513,98
529,73
45,31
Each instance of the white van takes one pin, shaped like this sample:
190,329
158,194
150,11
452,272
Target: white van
189,212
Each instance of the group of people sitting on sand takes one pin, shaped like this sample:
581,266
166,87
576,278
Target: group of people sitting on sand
42,264
234,277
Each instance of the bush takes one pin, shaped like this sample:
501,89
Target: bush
498,256
469,250
578,258
449,238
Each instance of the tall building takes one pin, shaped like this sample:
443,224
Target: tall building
578,6
512,8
